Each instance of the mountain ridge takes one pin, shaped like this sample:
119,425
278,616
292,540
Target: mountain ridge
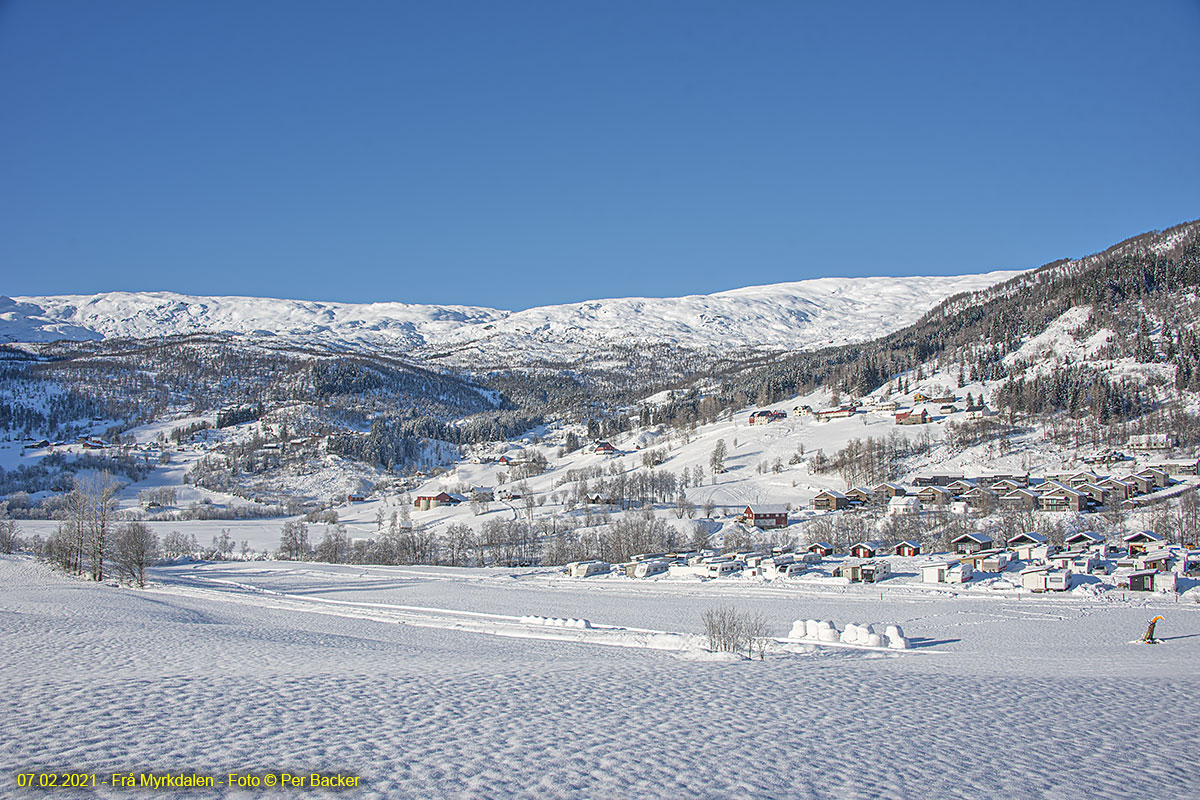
784,316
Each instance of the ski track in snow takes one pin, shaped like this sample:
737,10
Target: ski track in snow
211,672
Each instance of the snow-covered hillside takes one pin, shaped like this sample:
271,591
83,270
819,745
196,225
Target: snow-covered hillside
782,316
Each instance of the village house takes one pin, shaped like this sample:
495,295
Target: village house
604,448
1020,499
1142,484
822,549
960,486
1149,442
907,548
1189,467
907,504
979,497
1117,489
860,495
971,542
935,496
830,500
936,480
1062,498
766,516
890,490
1094,492
1161,478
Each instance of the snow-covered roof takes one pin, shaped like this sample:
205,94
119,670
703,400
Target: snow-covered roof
1142,536
981,538
767,508
831,493
1030,536
1083,535
871,545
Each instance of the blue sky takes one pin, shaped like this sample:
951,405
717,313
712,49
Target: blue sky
510,154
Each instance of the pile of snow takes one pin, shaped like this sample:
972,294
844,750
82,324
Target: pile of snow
864,635
556,622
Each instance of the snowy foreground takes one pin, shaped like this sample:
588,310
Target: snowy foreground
437,682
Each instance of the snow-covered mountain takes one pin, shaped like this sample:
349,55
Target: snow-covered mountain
783,316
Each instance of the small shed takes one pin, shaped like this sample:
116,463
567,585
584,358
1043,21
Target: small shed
822,549
867,549
907,548
1142,580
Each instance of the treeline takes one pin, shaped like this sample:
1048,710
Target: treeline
497,542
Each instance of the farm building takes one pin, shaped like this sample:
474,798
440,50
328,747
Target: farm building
920,417
424,502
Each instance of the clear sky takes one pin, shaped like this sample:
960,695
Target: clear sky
511,153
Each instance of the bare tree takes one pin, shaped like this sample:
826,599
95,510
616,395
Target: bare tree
93,506
8,530
293,541
135,547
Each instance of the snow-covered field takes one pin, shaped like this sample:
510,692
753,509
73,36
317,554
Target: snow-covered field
428,682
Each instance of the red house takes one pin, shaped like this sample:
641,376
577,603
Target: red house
764,516
907,548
